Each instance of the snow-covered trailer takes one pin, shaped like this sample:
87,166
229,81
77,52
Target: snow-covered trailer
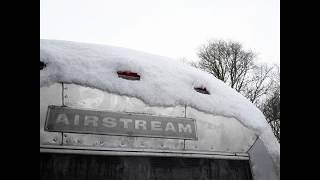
114,113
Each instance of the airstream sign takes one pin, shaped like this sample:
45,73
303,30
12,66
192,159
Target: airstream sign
65,119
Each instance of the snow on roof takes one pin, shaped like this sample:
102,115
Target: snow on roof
163,82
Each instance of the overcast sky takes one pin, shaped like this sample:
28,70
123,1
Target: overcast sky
173,28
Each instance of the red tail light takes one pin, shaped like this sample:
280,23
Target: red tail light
202,90
128,75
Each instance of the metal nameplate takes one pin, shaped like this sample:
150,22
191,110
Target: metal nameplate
66,119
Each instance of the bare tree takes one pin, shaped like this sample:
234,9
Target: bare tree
271,110
271,106
259,83
227,61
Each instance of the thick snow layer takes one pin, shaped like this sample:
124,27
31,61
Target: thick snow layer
164,82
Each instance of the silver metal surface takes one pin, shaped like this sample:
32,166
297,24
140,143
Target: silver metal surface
216,134
150,152
89,98
262,166
105,141
49,96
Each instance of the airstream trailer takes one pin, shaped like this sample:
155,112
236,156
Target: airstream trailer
114,113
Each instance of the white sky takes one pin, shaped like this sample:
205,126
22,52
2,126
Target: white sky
173,28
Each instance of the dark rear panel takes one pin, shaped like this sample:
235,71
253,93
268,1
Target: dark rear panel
84,167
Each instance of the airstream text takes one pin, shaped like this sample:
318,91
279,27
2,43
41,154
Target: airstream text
64,119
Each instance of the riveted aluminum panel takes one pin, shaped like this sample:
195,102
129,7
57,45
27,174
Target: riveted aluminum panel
105,141
218,133
90,98
51,95
215,133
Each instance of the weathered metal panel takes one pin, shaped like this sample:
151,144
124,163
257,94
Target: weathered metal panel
90,98
123,142
215,133
218,133
139,152
65,119
262,165
51,95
